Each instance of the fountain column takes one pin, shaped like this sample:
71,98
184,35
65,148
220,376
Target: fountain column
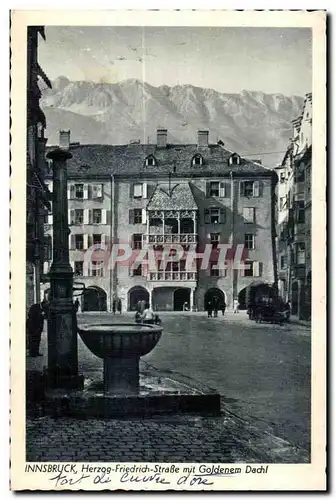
62,369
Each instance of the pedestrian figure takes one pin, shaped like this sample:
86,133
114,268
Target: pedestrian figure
287,310
215,306
119,306
45,308
209,308
235,306
142,306
185,306
148,317
34,326
138,318
223,308
76,305
114,306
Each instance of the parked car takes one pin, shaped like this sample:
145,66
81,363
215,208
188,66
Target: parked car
264,304
269,313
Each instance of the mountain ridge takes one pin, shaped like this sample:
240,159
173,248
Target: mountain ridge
250,122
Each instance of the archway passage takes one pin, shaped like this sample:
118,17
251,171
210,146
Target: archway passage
242,299
255,292
182,299
214,296
136,294
94,299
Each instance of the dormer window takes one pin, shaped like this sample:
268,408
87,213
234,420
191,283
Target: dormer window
197,160
150,161
234,159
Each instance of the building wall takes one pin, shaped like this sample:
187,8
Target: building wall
119,228
35,189
297,161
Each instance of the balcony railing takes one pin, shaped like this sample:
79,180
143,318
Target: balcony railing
161,239
172,276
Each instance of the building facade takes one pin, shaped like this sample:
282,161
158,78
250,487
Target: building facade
37,192
189,199
294,216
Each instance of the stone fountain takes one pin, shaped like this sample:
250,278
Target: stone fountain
120,346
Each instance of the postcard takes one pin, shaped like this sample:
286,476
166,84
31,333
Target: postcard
168,247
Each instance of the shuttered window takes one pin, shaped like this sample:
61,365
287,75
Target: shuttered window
249,214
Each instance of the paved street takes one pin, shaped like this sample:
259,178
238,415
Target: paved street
261,371
265,367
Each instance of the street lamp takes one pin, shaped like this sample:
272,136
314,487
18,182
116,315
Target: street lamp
62,372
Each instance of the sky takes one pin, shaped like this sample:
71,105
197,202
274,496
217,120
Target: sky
227,59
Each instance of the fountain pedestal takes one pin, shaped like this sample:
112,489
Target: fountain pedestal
121,376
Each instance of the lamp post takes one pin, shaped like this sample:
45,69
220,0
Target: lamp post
62,372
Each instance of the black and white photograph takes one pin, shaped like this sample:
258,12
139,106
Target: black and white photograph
170,297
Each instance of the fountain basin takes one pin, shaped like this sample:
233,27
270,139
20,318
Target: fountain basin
120,346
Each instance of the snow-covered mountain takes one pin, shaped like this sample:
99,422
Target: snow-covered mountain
251,123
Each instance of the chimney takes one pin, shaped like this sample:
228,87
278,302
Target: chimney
64,139
161,137
203,138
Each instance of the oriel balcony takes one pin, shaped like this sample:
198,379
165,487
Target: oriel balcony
166,227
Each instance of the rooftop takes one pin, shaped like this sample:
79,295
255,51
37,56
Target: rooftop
101,160
174,197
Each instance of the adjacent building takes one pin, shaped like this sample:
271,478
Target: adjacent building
37,192
196,196
294,216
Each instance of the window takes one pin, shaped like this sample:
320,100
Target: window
96,216
150,161
214,189
78,270
299,175
214,238
253,269
282,177
47,248
248,271
96,239
48,217
249,241
79,242
79,191
97,268
214,215
284,232
137,190
300,212
213,271
234,159
300,254
283,261
97,191
137,241
78,216
250,188
197,160
283,202
137,215
137,271
249,215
